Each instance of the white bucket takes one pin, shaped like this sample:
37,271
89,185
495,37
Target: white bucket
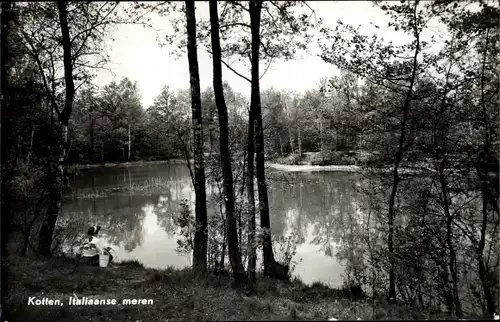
103,260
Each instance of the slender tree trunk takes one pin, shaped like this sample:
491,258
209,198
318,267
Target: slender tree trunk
224,243
452,261
268,256
129,144
390,241
252,253
482,270
397,161
224,240
299,142
441,155
321,147
243,173
291,140
201,234
49,223
232,232
281,145
211,141
489,188
444,289
31,144
91,132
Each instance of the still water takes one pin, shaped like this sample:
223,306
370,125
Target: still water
133,205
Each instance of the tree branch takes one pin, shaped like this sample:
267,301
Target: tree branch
231,69
33,53
235,24
240,5
267,68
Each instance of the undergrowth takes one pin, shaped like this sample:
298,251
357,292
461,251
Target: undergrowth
176,294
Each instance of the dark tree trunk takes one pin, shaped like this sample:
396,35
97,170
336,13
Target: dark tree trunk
228,191
201,234
397,161
452,263
441,154
252,254
49,223
268,256
482,269
487,164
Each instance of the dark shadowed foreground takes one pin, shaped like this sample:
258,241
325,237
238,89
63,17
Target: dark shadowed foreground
176,295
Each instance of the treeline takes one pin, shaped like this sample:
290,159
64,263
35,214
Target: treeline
111,125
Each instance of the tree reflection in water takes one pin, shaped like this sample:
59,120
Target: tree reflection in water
138,206
322,209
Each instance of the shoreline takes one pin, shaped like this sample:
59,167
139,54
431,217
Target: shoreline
125,164
314,168
304,167
273,165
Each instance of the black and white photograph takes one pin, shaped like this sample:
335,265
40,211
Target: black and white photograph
250,160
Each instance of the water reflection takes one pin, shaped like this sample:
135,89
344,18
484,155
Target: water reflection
318,207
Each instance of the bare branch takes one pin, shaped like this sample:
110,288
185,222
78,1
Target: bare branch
231,69
240,5
235,24
313,12
267,68
35,56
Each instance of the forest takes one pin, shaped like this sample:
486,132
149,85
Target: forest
419,120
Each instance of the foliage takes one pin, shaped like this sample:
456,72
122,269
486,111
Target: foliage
185,221
285,250
434,244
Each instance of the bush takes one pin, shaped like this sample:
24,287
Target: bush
292,159
334,158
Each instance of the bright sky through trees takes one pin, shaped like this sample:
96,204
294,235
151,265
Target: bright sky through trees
135,53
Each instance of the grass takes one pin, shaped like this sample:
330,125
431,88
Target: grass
176,295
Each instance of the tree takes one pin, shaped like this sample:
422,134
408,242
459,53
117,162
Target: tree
27,132
255,111
474,82
439,202
200,238
62,57
164,117
119,109
272,48
54,206
283,37
234,253
399,76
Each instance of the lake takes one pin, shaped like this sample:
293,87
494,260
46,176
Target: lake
133,205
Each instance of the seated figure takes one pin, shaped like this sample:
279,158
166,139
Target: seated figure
91,250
